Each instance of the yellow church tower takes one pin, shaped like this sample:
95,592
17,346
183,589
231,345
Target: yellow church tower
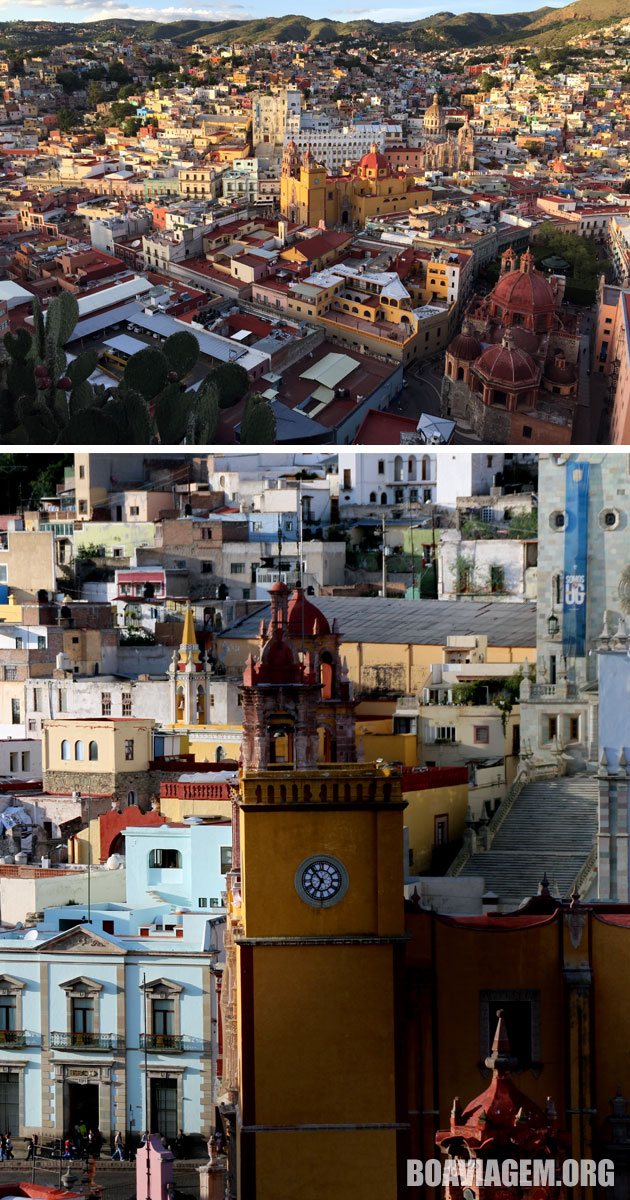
302,186
313,1094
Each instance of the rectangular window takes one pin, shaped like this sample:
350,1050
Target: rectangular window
41,641
37,700
106,704
13,761
15,711
445,733
134,511
237,568
7,1015
381,466
26,760
226,859
163,1017
206,568
203,902
574,729
126,704
129,749
552,728
19,643
482,735
82,1015
61,701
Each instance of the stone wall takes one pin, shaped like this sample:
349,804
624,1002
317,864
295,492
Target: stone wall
102,785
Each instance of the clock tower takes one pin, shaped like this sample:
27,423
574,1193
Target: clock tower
313,1088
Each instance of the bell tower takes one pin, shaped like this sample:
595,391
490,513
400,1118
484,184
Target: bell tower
190,679
313,1100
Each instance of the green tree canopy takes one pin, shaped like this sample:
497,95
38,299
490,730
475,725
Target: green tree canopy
259,423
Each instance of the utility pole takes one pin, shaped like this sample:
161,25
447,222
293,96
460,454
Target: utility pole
413,561
146,1084
383,562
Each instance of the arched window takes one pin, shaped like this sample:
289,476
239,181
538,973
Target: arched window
426,468
79,752
327,675
65,750
201,706
219,754
166,858
179,704
93,752
411,467
398,469
460,372
372,497
383,497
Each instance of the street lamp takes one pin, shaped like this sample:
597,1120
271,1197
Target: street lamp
553,624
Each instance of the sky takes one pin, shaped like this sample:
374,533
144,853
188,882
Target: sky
173,10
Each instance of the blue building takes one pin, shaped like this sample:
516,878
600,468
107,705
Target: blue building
112,1015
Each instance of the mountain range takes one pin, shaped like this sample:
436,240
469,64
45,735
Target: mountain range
444,30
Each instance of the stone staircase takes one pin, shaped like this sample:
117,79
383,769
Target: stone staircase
550,827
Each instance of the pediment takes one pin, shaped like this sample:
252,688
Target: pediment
81,984
161,988
79,939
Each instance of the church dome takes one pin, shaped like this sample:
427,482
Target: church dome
465,346
374,163
507,366
304,617
524,291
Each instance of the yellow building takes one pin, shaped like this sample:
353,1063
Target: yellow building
201,703
314,950
390,645
103,756
27,563
309,196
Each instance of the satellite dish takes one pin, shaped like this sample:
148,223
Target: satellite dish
31,936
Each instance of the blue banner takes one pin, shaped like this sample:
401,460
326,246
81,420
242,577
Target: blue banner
575,559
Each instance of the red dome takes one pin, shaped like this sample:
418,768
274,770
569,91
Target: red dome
524,291
465,346
507,365
374,161
304,617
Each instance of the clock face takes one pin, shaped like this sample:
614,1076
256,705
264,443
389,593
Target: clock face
321,880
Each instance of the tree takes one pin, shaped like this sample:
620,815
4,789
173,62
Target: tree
131,126
259,423
67,119
486,81
119,74
122,109
70,82
232,382
95,94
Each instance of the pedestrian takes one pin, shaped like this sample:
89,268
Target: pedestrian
68,1149
31,1149
9,1146
119,1147
3,1148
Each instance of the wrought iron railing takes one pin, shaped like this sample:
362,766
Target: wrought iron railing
86,1041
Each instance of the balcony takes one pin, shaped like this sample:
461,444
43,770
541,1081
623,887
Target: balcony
86,1041
173,1043
13,1037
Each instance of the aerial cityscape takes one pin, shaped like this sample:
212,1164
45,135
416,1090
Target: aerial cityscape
295,230
288,742
314,602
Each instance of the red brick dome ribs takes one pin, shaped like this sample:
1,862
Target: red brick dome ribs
465,346
507,366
